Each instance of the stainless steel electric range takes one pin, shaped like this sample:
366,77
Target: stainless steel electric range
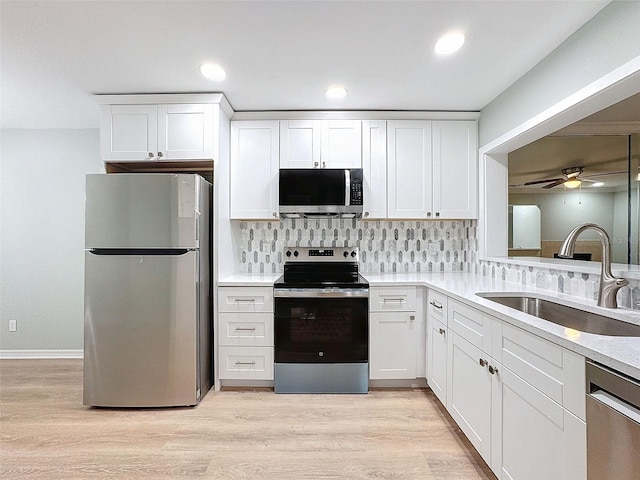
321,323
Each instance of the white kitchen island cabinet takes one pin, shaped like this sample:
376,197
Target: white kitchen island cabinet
432,171
393,332
254,169
157,132
320,144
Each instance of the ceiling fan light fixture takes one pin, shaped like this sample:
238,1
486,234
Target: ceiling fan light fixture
572,183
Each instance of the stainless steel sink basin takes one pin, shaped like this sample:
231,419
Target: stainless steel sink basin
566,316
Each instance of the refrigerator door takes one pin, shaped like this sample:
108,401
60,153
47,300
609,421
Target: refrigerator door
141,330
156,210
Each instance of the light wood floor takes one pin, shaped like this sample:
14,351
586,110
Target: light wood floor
46,433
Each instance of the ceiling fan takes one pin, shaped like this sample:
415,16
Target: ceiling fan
570,178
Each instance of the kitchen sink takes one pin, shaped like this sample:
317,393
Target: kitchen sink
564,315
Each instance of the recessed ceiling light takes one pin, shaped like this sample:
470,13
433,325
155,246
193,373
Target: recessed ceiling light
336,93
597,184
449,43
213,72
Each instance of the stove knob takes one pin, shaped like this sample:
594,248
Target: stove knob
288,254
353,253
295,253
346,254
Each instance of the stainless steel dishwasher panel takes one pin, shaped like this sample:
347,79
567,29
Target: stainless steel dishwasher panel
613,425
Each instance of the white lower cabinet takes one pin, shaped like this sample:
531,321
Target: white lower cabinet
517,397
245,333
393,333
437,340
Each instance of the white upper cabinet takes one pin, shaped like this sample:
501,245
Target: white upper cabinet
320,144
374,164
157,132
454,169
254,169
432,169
409,169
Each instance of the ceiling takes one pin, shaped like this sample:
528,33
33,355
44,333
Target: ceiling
279,55
599,143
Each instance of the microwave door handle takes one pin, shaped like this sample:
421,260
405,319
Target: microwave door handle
347,187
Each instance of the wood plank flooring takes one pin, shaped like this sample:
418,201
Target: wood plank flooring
46,433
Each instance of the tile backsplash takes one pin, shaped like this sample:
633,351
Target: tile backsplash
406,246
385,246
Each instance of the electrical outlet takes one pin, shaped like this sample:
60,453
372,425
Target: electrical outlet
13,325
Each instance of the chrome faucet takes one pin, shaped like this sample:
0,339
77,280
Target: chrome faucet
609,285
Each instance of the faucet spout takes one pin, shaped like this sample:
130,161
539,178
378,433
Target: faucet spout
609,285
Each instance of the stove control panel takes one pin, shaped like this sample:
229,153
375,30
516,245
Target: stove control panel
322,254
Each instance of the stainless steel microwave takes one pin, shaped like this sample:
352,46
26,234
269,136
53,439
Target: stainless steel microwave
320,192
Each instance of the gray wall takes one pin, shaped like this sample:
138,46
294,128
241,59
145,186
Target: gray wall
42,235
603,44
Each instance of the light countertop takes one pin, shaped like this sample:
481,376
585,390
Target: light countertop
620,353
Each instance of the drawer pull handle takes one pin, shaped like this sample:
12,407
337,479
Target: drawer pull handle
441,331
492,370
483,362
240,329
395,300
245,363
437,305
245,300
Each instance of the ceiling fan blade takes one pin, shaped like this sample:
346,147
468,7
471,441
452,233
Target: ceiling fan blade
536,182
560,181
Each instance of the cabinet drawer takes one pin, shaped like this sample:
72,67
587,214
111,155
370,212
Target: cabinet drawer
246,363
471,325
437,307
392,299
245,299
555,371
251,329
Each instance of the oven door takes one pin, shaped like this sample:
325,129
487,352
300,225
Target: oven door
321,326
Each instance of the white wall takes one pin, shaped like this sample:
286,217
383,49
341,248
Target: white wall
42,235
560,212
603,44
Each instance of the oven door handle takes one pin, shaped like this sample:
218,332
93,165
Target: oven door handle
320,292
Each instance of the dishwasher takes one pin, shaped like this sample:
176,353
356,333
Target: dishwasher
613,424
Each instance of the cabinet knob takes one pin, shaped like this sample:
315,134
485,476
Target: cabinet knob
324,164
441,331
483,362
412,317
366,214
428,214
315,164
160,155
493,370
150,154
437,214
275,214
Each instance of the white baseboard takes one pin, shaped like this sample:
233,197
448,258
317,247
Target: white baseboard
40,354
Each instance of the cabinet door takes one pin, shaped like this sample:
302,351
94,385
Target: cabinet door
341,145
455,169
129,132
437,359
540,439
409,173
254,169
185,132
300,144
374,164
392,345
469,392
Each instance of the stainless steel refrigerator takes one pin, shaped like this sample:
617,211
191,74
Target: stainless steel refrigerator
147,313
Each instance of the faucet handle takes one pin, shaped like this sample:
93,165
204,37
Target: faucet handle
622,282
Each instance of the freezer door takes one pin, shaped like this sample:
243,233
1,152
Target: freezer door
141,330
157,210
